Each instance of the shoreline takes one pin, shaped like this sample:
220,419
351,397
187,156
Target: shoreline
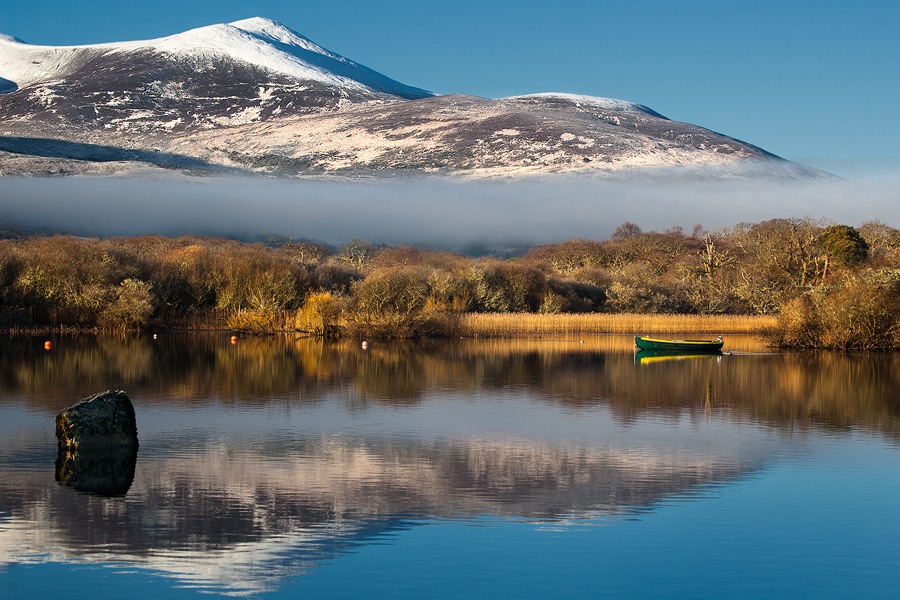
501,325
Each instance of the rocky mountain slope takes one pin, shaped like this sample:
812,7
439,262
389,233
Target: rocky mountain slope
254,96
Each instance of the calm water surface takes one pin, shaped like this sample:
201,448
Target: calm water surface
528,468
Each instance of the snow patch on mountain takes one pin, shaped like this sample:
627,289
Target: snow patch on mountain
257,41
22,64
276,32
273,46
578,100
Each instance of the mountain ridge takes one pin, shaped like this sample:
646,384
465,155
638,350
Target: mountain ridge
255,96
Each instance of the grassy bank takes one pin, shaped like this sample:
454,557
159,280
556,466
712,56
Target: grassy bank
506,324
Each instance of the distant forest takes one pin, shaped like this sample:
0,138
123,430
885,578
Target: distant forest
832,285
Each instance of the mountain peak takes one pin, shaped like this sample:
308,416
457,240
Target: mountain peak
256,42
275,31
270,45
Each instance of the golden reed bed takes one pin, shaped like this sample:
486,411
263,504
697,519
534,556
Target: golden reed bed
504,324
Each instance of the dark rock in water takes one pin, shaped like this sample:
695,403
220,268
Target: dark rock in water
103,421
98,444
105,472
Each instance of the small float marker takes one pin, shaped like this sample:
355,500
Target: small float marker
365,345
47,345
233,340
154,336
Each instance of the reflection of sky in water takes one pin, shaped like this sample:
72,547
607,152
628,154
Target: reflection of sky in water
343,493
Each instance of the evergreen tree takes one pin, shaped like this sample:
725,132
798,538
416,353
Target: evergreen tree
844,245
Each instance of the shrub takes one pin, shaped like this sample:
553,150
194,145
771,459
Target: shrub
183,277
551,303
798,325
570,256
320,314
859,313
394,303
10,267
128,306
334,277
570,296
65,277
595,276
647,297
398,256
505,287
450,290
252,278
860,316
639,290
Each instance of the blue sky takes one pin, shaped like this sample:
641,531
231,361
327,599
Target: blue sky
812,81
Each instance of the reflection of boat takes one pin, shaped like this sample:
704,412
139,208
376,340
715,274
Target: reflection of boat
645,357
681,346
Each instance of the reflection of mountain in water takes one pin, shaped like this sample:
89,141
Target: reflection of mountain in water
291,503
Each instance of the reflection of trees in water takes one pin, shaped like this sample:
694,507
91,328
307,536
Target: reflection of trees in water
82,366
789,390
786,390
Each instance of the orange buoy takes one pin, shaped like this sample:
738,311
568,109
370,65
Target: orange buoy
47,345
233,339
365,345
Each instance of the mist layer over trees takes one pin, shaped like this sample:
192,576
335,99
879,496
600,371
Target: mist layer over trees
435,212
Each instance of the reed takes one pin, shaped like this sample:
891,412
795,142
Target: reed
42,330
507,324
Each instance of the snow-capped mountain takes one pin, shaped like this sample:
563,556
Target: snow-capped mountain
212,76
254,95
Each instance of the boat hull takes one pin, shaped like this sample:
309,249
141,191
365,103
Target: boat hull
682,346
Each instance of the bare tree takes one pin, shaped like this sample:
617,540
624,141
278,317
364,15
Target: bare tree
357,252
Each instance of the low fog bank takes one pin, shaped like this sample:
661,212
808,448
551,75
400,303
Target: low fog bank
429,211
871,171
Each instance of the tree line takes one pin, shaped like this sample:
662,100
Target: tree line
833,285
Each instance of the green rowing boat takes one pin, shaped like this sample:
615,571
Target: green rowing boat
645,343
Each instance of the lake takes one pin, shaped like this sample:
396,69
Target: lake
528,468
